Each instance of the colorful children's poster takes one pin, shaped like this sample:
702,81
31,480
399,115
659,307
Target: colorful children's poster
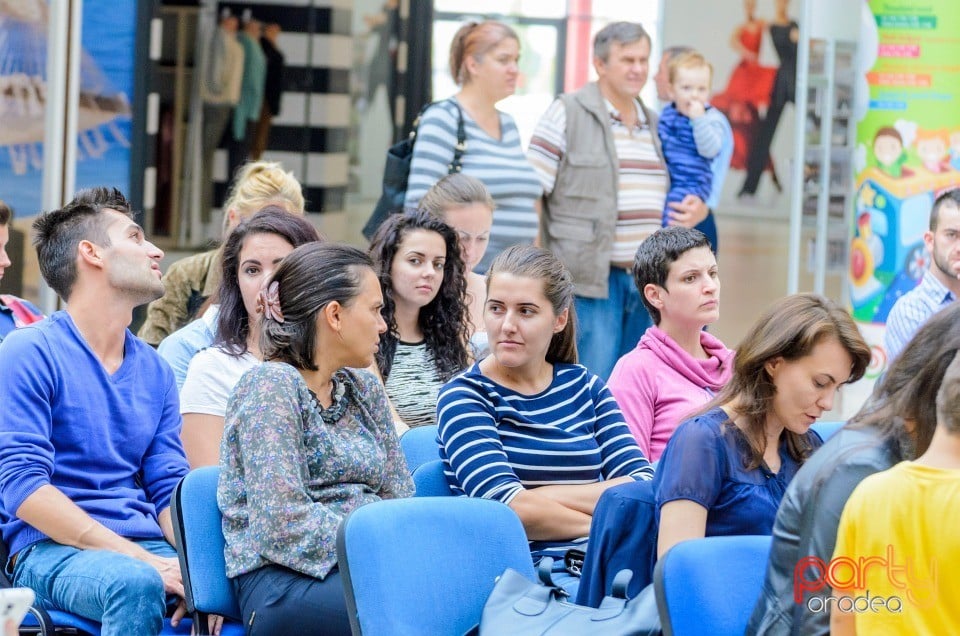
908,149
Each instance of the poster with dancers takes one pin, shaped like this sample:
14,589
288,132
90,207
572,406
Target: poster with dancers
106,84
754,85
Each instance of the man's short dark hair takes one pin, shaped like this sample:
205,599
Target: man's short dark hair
651,263
58,233
6,214
949,195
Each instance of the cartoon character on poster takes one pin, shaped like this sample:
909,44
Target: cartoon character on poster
908,169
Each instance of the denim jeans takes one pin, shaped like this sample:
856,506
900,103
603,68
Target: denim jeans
122,593
609,327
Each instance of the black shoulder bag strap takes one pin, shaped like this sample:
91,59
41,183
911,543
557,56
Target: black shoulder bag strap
456,165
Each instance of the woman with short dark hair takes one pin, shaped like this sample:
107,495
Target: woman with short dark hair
677,366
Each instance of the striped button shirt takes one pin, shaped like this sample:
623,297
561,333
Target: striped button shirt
912,310
499,163
496,442
642,178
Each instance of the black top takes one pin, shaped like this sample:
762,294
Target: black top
273,85
786,79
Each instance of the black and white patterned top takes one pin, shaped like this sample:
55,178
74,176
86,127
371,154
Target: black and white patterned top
413,384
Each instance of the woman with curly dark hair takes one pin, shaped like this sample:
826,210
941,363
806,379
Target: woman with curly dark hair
424,305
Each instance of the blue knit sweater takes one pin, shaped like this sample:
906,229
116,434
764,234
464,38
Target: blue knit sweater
111,443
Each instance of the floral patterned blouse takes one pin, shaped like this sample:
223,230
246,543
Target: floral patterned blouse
291,471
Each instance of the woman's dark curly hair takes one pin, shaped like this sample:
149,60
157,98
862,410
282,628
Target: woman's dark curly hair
445,321
233,324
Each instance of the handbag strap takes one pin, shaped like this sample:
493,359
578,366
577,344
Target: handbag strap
620,583
545,574
456,165
460,148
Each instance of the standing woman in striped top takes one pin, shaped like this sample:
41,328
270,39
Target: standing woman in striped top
483,62
527,425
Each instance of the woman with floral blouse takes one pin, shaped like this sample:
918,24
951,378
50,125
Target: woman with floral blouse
308,439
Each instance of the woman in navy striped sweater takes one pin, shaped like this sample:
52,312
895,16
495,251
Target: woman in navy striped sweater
527,425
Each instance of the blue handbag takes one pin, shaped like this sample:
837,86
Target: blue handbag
521,607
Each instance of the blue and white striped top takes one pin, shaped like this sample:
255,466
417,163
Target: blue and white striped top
499,163
496,442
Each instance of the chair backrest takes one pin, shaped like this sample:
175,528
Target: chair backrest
710,586
429,480
426,565
826,429
197,527
420,446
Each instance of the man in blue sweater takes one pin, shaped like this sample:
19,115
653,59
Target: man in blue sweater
89,428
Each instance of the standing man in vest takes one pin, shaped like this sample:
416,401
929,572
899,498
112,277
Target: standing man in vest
605,181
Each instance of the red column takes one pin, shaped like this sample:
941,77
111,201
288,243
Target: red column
579,53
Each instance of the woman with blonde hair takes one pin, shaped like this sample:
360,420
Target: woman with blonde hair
465,204
190,283
484,63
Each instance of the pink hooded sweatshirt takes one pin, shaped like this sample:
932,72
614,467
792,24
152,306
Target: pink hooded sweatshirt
658,385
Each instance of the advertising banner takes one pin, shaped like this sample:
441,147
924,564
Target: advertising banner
908,151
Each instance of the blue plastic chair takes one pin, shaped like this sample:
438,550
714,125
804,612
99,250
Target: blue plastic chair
709,586
426,565
826,430
429,480
45,622
420,446
199,533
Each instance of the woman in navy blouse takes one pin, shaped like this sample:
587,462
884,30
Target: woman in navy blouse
725,470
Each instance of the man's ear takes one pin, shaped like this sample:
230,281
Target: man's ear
599,65
89,252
